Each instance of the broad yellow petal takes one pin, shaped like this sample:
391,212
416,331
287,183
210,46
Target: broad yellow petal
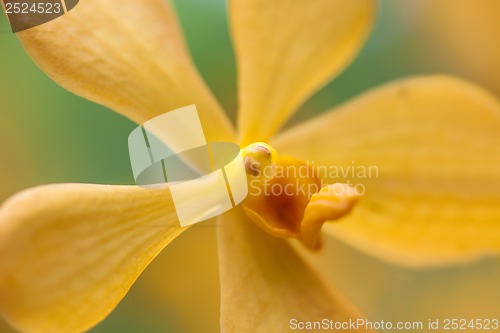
427,152
286,50
69,253
265,286
127,55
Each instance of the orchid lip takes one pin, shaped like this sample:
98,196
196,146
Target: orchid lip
289,212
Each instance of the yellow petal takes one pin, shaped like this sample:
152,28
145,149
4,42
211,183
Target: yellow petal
69,253
286,50
265,285
127,55
433,196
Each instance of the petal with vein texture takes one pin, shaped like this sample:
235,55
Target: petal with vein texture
265,284
127,55
286,50
427,151
69,253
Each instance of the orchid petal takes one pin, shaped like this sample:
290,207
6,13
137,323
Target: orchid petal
127,55
286,50
69,253
429,152
265,285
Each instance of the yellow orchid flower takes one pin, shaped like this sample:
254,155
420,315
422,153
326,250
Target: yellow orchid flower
70,252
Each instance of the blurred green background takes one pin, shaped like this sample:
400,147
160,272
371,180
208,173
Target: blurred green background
49,135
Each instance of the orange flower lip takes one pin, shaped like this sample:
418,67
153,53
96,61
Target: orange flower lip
291,204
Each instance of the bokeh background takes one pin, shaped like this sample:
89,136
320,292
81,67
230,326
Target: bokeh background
48,135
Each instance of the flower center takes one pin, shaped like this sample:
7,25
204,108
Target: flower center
287,197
